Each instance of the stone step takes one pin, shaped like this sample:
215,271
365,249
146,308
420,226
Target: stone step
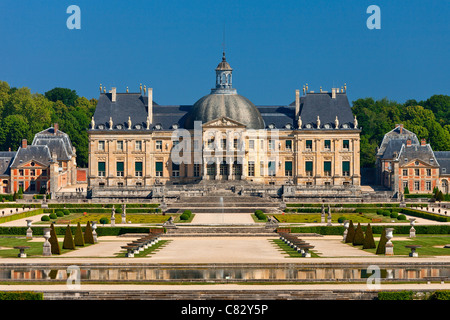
214,230
220,210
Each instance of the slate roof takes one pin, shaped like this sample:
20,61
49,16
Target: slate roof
323,105
396,134
443,157
135,106
6,158
417,152
58,143
33,152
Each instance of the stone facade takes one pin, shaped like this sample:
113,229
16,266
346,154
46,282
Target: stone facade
135,143
403,161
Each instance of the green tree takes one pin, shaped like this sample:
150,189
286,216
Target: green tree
14,129
65,95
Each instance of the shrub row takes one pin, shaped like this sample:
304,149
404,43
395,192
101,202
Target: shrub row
410,295
186,215
102,205
339,230
21,295
260,215
21,215
345,205
426,215
105,210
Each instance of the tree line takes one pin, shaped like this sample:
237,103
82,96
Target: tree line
23,114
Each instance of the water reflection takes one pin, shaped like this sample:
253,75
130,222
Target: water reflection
139,273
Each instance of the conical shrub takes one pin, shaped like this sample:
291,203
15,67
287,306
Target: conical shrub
369,242
358,239
79,239
54,240
350,233
68,240
381,248
88,235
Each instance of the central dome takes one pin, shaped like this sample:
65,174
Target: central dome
223,101
217,105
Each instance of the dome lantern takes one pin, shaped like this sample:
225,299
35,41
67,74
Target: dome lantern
224,75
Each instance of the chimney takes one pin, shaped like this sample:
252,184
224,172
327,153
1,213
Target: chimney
24,143
113,94
408,143
55,128
297,103
423,142
150,105
333,93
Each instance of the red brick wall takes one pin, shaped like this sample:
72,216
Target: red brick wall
81,175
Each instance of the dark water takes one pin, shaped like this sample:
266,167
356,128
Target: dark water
139,273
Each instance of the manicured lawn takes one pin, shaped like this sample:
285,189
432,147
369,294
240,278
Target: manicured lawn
74,218
35,247
428,243
310,218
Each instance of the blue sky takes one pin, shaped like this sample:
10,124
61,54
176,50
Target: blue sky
274,47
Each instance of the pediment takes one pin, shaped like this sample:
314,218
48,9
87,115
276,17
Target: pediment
417,163
32,164
223,122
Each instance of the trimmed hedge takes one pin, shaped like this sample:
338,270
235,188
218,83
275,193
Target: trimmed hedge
395,295
21,295
426,215
260,215
21,215
440,295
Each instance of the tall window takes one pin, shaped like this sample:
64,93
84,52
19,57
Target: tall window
428,185
158,145
346,168
223,168
271,145
309,145
261,168
288,168
309,168
159,168
120,145
327,144
138,169
196,170
272,168
417,185
405,172
251,144
428,172
223,144
101,145
327,168
289,145
251,168
346,144
138,145
417,172
101,168
120,168
175,170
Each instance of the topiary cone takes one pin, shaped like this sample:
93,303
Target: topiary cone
381,248
350,233
88,236
68,239
358,239
54,240
369,242
79,239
